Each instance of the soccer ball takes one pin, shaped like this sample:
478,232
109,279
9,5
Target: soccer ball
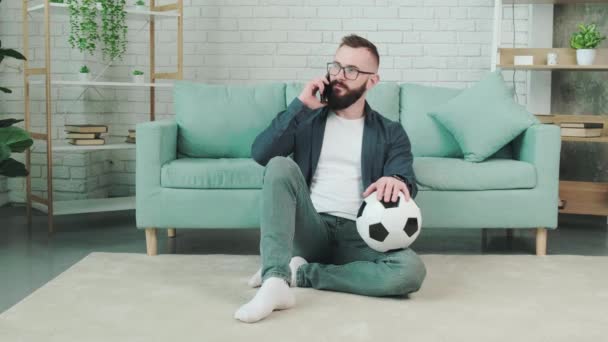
387,226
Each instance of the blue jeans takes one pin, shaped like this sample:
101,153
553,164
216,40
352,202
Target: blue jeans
339,259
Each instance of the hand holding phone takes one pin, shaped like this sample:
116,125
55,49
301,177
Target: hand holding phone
326,90
309,94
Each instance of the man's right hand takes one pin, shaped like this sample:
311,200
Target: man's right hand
308,95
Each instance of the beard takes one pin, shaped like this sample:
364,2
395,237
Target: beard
345,99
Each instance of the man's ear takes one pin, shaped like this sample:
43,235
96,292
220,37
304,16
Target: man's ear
372,81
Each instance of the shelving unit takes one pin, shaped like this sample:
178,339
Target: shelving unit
590,198
175,11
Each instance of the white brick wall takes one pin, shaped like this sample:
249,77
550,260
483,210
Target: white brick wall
439,42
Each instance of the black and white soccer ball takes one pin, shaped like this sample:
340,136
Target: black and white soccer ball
387,226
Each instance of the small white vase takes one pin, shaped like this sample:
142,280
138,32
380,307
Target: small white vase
141,8
84,77
585,56
138,78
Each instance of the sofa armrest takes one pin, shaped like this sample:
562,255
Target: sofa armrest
156,145
540,145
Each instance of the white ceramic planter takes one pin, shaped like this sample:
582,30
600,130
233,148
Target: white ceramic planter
84,77
138,78
585,56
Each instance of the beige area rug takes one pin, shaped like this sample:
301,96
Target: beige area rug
133,297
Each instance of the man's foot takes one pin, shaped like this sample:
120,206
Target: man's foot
294,264
274,294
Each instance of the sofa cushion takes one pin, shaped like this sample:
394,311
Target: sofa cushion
383,98
221,121
212,173
484,117
434,173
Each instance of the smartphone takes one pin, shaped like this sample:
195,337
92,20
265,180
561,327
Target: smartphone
327,90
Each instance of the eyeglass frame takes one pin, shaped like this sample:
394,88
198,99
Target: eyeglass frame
343,69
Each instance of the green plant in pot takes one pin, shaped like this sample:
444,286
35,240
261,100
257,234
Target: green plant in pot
585,41
84,74
140,5
12,139
138,76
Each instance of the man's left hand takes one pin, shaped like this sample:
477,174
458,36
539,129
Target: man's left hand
388,187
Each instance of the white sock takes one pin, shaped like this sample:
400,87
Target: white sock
274,294
294,264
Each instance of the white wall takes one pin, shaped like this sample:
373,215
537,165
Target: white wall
440,42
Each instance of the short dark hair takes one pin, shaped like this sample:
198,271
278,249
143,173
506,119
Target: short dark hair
355,41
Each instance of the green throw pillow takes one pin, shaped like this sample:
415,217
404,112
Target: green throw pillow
484,117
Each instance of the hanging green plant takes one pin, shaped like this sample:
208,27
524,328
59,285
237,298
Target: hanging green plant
114,29
83,25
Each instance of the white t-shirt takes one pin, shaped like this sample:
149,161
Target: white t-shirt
336,186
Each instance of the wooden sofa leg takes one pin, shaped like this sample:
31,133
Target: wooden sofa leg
151,242
171,232
541,241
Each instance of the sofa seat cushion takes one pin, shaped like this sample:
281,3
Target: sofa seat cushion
437,173
212,173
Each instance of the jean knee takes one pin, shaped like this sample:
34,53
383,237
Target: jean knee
280,168
409,272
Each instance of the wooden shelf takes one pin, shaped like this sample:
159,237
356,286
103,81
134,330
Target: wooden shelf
558,118
93,205
566,59
102,84
586,198
108,146
131,11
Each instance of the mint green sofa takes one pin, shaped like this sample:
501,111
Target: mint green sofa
196,171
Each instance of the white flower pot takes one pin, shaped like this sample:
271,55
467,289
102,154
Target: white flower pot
138,78
585,56
141,8
84,77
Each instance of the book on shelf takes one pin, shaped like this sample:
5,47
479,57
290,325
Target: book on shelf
582,125
581,132
130,140
86,128
83,135
131,134
85,142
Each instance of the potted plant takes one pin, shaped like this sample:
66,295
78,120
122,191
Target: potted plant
140,5
84,74
12,139
84,29
138,76
83,25
585,41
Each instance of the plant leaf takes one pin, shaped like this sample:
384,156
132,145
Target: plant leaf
16,138
12,168
12,53
5,90
5,152
9,122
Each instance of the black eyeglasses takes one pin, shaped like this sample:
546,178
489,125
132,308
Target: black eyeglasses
350,72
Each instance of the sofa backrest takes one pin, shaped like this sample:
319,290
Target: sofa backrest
383,98
222,121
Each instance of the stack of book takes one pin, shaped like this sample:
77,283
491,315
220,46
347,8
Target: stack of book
131,137
85,134
581,129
